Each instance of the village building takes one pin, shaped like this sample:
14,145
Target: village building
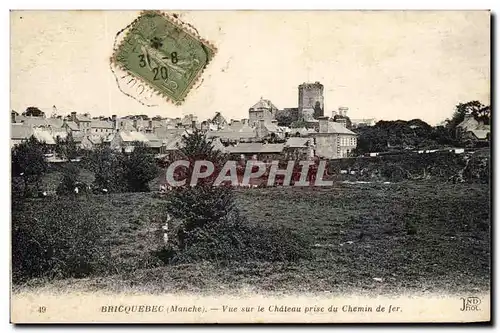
82,121
472,130
257,151
298,148
125,141
264,109
333,140
91,141
218,121
19,133
234,133
71,126
268,129
102,127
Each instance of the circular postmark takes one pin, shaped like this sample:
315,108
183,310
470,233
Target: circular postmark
159,58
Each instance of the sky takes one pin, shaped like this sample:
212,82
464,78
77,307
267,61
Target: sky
382,65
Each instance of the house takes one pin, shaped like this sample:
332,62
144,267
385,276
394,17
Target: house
234,133
190,121
102,127
298,148
71,126
257,151
19,133
333,140
219,121
90,141
45,136
266,129
125,140
82,121
472,130
264,109
125,124
155,143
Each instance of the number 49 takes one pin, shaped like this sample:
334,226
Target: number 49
42,309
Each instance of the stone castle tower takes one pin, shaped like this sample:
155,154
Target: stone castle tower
311,96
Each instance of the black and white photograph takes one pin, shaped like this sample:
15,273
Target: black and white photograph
254,166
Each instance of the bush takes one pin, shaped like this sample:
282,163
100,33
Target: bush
69,179
140,168
57,238
109,168
29,163
234,239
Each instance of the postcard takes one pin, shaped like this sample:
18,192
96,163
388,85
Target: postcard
250,166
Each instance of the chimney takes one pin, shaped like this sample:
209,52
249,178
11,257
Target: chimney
12,116
193,124
73,116
135,123
323,124
260,128
150,124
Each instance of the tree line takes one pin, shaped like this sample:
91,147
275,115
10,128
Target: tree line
114,171
417,134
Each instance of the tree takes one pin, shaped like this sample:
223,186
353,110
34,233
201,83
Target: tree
203,204
140,168
29,163
66,148
69,180
33,111
108,167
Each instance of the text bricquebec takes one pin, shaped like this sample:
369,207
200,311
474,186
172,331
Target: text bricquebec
253,170
132,308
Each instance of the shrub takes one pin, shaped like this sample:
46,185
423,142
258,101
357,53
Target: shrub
69,179
29,163
233,239
108,167
57,238
140,168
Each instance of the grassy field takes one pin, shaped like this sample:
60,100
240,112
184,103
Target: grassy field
373,238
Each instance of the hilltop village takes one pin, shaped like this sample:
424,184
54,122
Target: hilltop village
303,131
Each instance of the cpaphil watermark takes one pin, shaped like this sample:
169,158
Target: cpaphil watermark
252,173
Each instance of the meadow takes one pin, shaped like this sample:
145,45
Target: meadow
373,238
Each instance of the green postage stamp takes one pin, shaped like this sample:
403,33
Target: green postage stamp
162,53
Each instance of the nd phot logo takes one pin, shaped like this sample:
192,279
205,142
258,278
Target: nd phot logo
470,303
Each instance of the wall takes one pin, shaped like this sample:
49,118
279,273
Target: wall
327,146
258,114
